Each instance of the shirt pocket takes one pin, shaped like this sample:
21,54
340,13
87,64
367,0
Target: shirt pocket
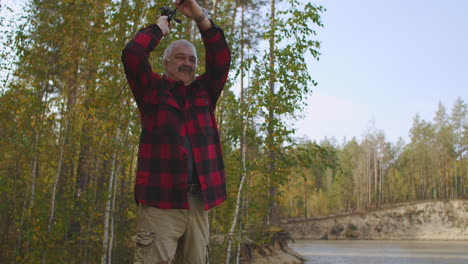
202,114
164,119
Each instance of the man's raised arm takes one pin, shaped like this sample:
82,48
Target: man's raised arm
135,57
218,54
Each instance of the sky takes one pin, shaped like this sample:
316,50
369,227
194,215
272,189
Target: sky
383,62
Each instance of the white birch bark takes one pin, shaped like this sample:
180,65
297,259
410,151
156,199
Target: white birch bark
111,239
238,248
50,221
239,194
369,178
242,148
375,176
234,221
57,178
105,236
27,208
20,228
34,170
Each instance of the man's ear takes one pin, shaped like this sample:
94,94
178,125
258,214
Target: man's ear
165,63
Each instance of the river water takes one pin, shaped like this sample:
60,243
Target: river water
382,252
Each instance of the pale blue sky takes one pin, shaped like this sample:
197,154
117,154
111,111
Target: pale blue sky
386,61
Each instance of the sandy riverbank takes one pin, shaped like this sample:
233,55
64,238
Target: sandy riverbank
431,220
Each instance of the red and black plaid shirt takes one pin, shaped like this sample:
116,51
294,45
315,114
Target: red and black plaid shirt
162,171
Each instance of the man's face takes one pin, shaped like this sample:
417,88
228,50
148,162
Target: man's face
181,64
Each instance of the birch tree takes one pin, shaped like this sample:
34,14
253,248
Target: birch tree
282,82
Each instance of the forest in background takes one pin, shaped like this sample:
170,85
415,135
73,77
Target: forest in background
69,135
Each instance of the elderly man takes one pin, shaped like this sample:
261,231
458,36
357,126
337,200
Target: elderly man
180,174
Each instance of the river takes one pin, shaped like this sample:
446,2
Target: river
382,251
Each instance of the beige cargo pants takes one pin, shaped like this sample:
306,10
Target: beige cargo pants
173,235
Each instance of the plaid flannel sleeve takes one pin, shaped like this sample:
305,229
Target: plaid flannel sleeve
218,60
135,58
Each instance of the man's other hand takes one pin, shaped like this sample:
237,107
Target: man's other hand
164,25
189,8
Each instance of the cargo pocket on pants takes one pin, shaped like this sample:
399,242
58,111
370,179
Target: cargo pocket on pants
143,240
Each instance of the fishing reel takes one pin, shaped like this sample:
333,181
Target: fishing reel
167,11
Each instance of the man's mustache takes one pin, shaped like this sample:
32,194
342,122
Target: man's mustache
185,68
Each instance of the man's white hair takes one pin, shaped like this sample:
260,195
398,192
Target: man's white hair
180,42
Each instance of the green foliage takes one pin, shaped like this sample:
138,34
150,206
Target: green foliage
372,173
280,84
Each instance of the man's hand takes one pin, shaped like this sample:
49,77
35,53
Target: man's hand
164,25
191,9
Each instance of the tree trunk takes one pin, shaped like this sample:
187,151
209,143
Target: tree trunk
105,236
34,170
57,177
215,8
27,208
20,228
144,8
242,89
462,177
26,212
273,215
232,25
236,215
305,197
369,179
243,150
93,197
82,180
50,220
381,183
111,239
376,195
189,34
